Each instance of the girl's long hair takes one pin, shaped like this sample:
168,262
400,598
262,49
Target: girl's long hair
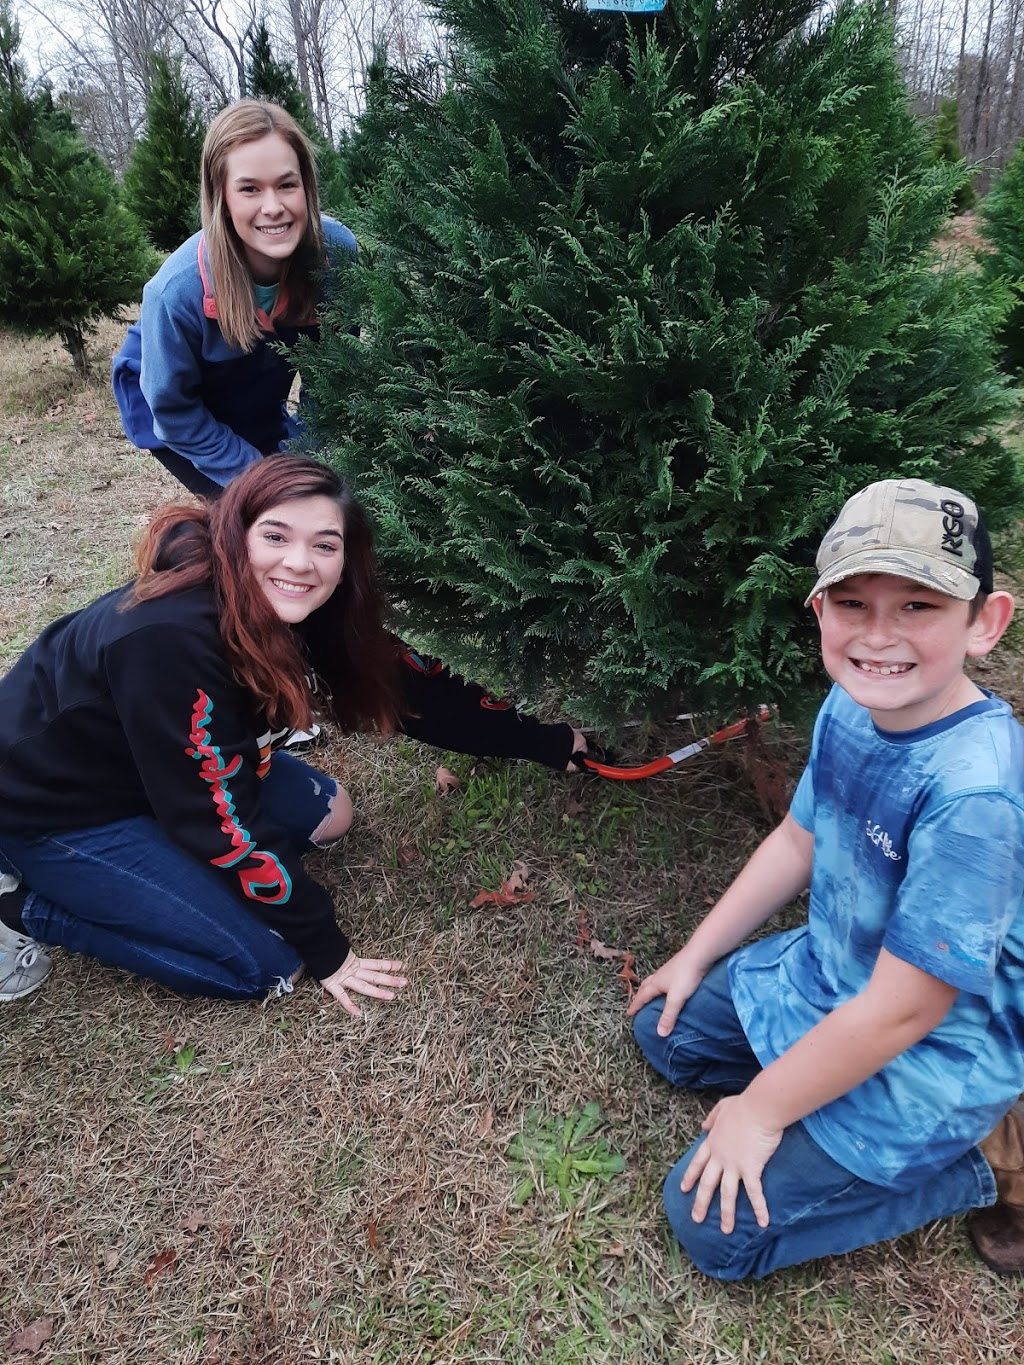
343,644
248,121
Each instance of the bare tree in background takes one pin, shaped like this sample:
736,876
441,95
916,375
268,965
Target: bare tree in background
98,54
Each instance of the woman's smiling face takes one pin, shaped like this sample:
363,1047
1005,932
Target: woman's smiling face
297,552
266,202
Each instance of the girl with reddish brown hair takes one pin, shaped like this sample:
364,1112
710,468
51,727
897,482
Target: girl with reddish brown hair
145,817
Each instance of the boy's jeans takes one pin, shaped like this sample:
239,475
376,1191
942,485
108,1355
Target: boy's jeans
816,1207
125,894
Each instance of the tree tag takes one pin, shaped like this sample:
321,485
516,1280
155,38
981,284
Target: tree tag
633,6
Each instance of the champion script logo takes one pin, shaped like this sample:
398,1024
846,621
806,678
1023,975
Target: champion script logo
952,527
881,840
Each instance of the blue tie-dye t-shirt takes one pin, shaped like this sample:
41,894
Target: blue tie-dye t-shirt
918,848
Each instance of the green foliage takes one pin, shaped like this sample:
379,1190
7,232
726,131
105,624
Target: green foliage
70,252
162,181
268,79
945,147
642,300
1002,226
563,1154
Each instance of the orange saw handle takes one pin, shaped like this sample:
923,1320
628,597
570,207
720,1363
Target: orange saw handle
667,761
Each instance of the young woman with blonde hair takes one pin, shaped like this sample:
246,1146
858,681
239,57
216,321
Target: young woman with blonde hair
198,380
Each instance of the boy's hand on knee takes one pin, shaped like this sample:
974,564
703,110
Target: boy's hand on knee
676,980
736,1150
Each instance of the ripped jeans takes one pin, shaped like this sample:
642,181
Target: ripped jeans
128,896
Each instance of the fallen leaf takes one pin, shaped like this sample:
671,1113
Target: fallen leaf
159,1265
199,1133
628,975
110,1259
583,934
196,1220
485,1128
614,1249
372,1234
606,954
33,1336
520,876
506,894
446,781
407,855
211,1355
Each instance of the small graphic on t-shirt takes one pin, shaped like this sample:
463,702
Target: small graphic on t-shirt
881,840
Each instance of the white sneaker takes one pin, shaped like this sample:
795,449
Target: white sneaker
24,965
303,739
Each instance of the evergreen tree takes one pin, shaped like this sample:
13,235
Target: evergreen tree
162,182
643,299
70,252
269,79
1002,227
946,147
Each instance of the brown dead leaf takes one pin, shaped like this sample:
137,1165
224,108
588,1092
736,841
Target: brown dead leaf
196,1219
33,1336
211,1355
373,1234
628,975
485,1128
161,1263
604,953
506,894
407,855
614,1249
583,934
110,1259
446,781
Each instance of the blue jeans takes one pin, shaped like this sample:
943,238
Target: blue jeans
127,895
816,1206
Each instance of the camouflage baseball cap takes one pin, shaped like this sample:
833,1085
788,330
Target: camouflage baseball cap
911,529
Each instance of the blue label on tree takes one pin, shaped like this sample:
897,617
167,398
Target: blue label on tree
634,6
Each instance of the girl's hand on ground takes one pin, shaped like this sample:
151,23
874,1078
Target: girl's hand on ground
579,746
736,1150
366,976
676,980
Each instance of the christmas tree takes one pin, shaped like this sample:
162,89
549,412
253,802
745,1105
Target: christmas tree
162,181
946,147
1002,227
70,252
642,299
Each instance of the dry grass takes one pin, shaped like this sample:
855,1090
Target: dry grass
191,1181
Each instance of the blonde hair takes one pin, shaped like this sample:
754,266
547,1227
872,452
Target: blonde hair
248,121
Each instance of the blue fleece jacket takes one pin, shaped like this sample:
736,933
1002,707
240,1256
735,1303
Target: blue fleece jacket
179,384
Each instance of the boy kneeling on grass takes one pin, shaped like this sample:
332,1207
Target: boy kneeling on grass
872,1059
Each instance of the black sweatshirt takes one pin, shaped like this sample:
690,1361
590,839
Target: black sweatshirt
116,713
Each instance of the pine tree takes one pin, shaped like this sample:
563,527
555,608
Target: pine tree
642,300
1002,227
162,182
269,79
946,147
70,252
